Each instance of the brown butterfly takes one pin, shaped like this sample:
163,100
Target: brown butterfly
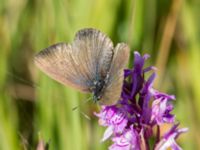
90,64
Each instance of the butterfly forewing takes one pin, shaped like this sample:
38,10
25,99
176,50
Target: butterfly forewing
114,84
96,50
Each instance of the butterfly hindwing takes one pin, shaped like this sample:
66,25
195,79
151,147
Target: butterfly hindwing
58,62
114,84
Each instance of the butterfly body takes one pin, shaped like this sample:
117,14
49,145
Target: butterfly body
98,88
90,64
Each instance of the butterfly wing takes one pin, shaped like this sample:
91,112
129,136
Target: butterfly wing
95,50
114,84
77,64
59,62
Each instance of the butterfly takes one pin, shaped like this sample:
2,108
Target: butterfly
90,64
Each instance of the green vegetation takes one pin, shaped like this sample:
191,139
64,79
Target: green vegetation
31,103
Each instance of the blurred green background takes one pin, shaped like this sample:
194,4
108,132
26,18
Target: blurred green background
32,104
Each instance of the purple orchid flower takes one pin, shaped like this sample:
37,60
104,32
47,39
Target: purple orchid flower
168,140
131,121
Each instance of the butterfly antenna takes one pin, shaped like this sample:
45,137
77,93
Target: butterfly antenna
87,100
82,113
86,116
